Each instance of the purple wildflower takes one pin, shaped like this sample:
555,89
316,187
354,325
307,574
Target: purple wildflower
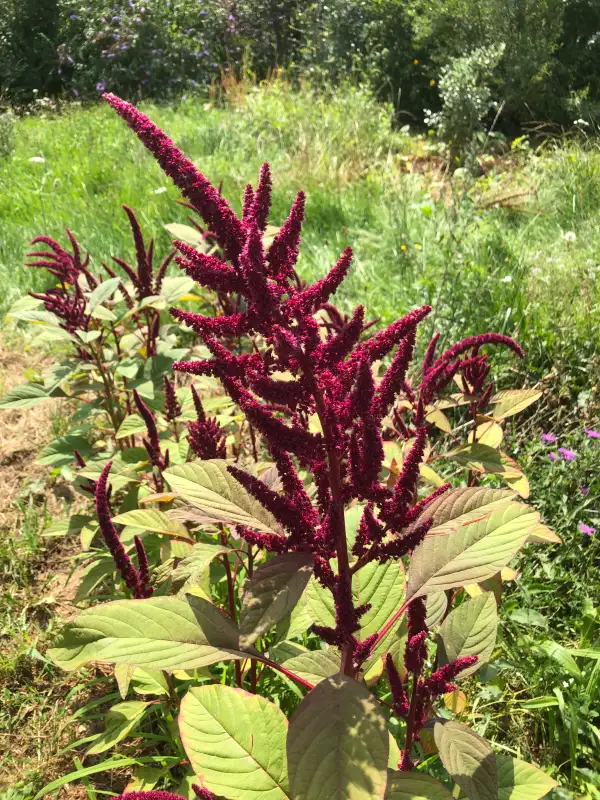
568,455
100,86
552,456
585,490
592,433
549,438
587,529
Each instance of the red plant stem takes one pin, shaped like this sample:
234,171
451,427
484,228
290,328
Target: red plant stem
287,673
231,602
108,393
337,511
410,726
250,569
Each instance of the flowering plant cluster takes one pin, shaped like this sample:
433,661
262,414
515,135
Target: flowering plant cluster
309,514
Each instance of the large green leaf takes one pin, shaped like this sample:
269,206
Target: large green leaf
208,485
436,605
461,554
160,633
316,665
461,505
131,425
513,401
298,622
194,569
151,520
235,742
382,587
521,781
482,458
379,585
59,453
120,721
468,758
415,786
272,593
469,630
102,292
338,743
30,394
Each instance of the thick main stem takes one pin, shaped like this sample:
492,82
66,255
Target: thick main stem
337,520
407,763
231,602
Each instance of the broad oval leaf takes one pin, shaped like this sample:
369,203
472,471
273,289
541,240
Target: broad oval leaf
544,535
235,742
521,781
155,521
208,485
159,633
102,292
272,593
462,505
131,425
338,743
469,630
470,552
121,719
482,458
382,587
512,401
468,758
60,452
415,786
436,605
30,394
194,569
316,665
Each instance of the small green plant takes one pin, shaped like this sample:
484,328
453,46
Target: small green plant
7,130
466,100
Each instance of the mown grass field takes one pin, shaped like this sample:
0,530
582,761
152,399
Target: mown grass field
514,250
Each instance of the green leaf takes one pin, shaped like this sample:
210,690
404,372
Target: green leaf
131,425
149,681
338,743
470,630
382,587
123,675
415,786
175,287
436,605
468,758
316,665
151,520
64,527
513,401
518,780
272,593
235,742
92,576
25,396
160,633
185,233
88,336
482,458
462,505
104,766
208,485
101,312
298,622
320,604
60,452
562,656
120,721
471,552
193,570
102,292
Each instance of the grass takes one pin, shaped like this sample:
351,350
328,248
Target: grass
514,250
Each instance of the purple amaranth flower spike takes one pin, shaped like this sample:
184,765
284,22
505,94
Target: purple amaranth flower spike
399,697
172,404
194,186
130,575
202,793
144,587
205,438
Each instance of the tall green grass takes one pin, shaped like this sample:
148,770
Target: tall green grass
418,236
